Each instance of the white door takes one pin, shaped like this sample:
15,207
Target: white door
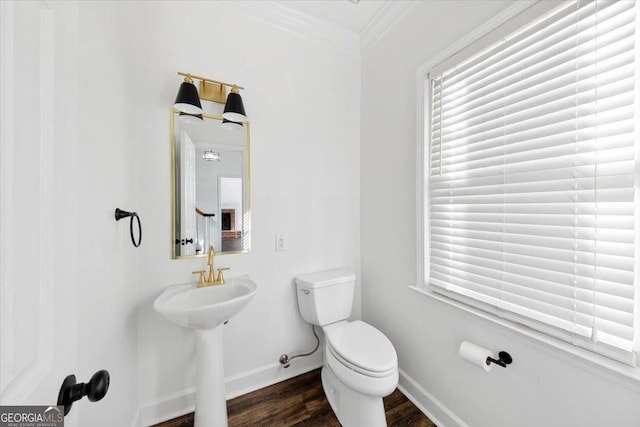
187,195
38,324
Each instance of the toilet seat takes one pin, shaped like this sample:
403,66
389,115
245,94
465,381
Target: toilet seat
362,348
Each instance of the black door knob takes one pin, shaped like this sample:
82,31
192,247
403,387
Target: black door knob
95,389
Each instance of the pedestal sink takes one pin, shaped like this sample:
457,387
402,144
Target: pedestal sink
206,310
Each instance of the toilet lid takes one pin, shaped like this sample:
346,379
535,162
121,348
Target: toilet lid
363,346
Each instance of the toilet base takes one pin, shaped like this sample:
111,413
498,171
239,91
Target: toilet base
352,408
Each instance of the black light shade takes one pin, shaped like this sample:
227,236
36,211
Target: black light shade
187,100
192,119
231,125
234,108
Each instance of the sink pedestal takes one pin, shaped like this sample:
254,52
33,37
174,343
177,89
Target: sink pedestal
211,402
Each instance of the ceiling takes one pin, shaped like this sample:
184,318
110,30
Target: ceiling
342,13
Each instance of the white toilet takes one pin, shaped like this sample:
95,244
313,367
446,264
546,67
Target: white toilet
360,363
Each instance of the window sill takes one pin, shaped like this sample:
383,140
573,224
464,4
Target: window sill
601,366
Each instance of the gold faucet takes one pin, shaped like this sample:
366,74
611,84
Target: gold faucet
210,279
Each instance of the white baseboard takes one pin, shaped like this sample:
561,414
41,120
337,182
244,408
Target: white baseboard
135,420
427,403
256,379
167,407
183,402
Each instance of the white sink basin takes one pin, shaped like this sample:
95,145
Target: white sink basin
207,307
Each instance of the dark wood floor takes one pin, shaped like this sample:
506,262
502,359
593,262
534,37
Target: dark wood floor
300,401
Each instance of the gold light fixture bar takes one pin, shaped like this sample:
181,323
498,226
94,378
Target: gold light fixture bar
212,90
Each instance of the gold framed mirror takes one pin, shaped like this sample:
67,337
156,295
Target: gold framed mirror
210,185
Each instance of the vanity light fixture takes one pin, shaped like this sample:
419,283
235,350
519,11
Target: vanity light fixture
231,125
187,99
211,90
211,156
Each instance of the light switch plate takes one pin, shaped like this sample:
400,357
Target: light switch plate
281,244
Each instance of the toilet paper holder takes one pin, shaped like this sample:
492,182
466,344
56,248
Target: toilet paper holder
503,360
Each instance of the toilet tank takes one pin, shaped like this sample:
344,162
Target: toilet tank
327,296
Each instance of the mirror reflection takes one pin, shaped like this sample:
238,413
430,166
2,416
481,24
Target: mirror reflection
210,185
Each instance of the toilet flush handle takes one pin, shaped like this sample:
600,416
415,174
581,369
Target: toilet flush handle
306,291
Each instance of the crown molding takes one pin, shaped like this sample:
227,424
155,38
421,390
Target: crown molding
315,29
274,13
388,15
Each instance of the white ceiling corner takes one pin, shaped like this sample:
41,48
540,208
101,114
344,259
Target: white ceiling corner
276,13
335,23
390,12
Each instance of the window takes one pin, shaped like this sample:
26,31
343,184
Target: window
532,177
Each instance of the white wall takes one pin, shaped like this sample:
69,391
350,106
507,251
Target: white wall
544,386
302,98
208,174
107,178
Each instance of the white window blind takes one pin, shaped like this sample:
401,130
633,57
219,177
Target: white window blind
532,177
